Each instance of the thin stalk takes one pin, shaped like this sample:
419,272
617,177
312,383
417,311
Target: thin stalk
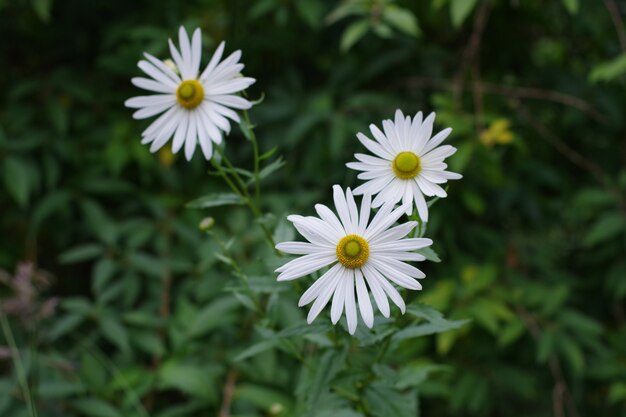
19,365
255,149
243,192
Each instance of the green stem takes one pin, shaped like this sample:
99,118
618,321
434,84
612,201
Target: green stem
19,365
255,149
243,192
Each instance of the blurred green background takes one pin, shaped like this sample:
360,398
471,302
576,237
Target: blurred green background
120,306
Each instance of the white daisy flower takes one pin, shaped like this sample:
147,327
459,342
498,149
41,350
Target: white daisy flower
196,107
362,254
408,163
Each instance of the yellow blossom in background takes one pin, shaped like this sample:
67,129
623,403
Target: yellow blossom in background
166,156
497,133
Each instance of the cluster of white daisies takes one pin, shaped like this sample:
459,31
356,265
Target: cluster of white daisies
364,256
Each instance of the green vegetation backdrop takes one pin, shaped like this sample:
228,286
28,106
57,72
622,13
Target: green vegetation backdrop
114,303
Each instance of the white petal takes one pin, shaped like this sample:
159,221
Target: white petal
329,217
383,261
316,230
204,138
377,291
151,85
181,132
384,223
407,244
235,102
191,139
430,189
155,127
304,265
185,50
180,63
324,296
365,305
152,110
420,203
298,248
164,68
386,287
439,154
217,55
392,234
153,100
350,304
157,74
423,134
342,209
373,186
339,297
353,210
436,140
375,147
366,203
232,86
372,160
196,51
319,285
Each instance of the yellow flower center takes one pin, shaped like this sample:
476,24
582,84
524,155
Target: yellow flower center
190,94
352,251
406,165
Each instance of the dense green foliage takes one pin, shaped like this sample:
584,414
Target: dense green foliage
121,306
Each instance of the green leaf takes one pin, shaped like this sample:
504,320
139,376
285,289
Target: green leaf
192,379
385,401
217,313
16,180
64,325
328,366
268,153
94,407
571,6
114,331
607,227
256,349
353,34
460,10
401,19
608,71
217,200
274,166
436,323
81,253
59,388
429,253
262,397
42,9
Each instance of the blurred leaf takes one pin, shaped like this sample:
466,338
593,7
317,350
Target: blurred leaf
608,71
460,10
81,253
255,349
353,33
113,330
217,313
385,401
16,179
42,9
216,200
195,380
571,6
94,407
269,169
262,397
607,227
401,19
